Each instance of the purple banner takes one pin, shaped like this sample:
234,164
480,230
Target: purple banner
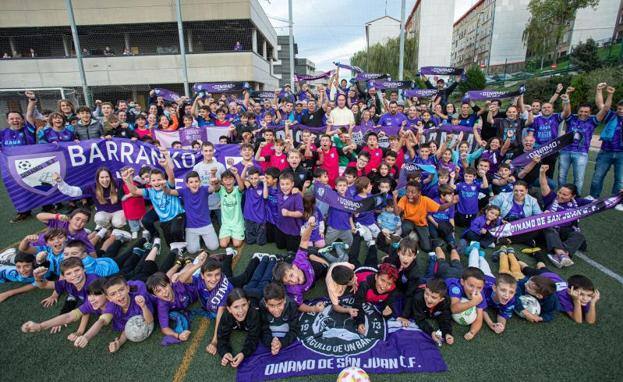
479,95
355,69
297,131
554,219
304,77
381,84
544,151
441,70
326,194
166,94
220,87
370,76
420,93
264,95
410,168
27,170
329,342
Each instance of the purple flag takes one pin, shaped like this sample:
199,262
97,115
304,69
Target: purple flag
355,69
441,70
264,95
304,77
381,84
329,342
420,93
478,95
554,219
544,151
166,94
27,170
326,194
220,87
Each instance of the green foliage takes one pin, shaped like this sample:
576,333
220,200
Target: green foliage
383,58
549,21
543,88
475,80
585,55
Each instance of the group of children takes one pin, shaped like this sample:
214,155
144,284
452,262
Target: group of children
274,194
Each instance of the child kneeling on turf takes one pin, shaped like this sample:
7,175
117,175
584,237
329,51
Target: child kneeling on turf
238,316
430,304
280,316
126,299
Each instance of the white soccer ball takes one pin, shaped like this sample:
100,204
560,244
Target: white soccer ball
467,316
353,374
531,304
137,330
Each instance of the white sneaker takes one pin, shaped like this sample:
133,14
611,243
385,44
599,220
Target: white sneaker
566,261
134,235
157,241
619,207
177,245
555,259
101,233
97,228
589,197
256,255
230,251
146,235
121,235
8,256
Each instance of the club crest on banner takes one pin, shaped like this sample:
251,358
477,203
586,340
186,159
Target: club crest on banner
35,171
335,334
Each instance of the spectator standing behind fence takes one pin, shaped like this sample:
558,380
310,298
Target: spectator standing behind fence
238,46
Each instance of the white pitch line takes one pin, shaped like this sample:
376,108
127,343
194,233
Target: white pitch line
602,268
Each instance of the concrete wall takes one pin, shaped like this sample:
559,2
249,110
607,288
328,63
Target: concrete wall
136,70
435,33
33,13
597,24
383,29
510,20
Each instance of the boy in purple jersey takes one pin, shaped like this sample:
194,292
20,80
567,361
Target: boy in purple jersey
94,305
469,286
441,223
468,191
577,297
254,211
499,294
198,224
365,223
350,174
340,224
247,153
271,196
290,214
126,299
582,125
75,282
300,276
479,227
172,302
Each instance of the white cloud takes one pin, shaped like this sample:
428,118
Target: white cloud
324,58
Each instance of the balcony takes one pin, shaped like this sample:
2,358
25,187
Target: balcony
136,70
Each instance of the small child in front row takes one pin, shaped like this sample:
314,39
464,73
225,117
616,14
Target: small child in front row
430,304
239,315
500,296
479,227
279,317
544,290
21,272
469,286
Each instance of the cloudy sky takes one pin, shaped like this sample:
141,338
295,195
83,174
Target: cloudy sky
332,30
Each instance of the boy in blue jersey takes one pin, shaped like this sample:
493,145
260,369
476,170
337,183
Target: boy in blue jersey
21,272
499,295
469,286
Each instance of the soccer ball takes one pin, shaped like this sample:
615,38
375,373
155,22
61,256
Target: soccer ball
137,330
531,304
467,316
353,374
24,165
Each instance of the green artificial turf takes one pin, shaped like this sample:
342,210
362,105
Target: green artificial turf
560,350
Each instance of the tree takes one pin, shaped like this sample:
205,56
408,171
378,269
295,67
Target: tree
475,80
384,58
585,55
549,21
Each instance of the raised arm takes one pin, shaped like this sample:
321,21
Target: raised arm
165,162
606,107
556,94
64,188
544,186
30,110
566,103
